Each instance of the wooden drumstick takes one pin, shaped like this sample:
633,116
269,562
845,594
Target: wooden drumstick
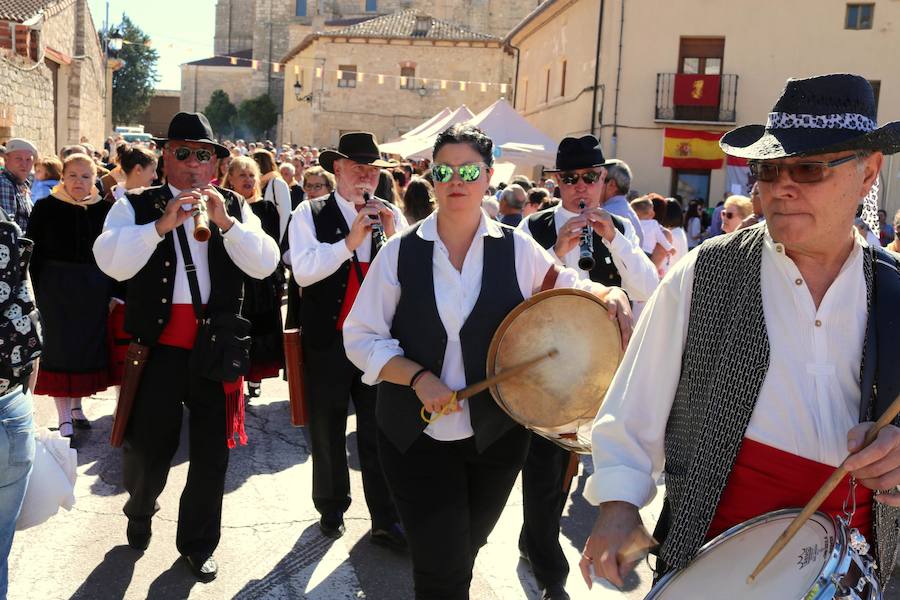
889,415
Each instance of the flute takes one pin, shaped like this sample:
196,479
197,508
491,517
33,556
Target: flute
586,260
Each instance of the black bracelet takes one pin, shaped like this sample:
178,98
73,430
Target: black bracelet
412,381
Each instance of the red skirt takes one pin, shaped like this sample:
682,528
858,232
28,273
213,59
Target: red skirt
70,385
258,372
118,341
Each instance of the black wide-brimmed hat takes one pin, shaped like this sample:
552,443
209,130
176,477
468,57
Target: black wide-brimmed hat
578,153
192,127
818,115
358,146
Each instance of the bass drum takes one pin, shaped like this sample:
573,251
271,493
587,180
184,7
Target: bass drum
557,398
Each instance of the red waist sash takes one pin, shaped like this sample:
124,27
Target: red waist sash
353,284
181,332
765,479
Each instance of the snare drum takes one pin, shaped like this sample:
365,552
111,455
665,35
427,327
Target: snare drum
558,398
819,563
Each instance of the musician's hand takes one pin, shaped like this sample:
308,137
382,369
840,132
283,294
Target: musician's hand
618,308
569,236
361,228
215,208
602,223
617,531
387,220
878,466
174,214
433,394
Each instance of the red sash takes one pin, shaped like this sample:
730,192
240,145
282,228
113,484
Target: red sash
353,284
766,479
181,332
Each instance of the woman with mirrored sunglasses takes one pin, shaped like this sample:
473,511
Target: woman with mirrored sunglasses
419,329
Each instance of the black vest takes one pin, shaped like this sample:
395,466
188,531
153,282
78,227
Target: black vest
417,326
148,305
322,300
543,230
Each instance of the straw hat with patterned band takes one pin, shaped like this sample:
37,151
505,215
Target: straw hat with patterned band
192,127
578,153
358,146
817,115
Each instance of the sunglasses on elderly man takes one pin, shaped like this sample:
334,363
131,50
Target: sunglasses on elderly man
183,153
801,172
444,173
588,178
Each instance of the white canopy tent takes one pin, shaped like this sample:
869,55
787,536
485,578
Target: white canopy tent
424,140
415,131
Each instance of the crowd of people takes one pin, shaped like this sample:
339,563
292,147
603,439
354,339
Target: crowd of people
163,268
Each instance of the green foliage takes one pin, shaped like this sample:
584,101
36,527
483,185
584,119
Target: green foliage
133,84
221,113
256,116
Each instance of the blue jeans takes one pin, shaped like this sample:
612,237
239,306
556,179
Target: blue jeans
16,457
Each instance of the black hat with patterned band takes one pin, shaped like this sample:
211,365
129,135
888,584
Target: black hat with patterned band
817,115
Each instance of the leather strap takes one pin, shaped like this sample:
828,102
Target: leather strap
191,271
550,278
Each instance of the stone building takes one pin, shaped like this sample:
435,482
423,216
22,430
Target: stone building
628,98
164,104
387,75
267,30
52,69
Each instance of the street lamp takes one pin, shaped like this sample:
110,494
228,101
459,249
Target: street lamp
298,90
114,42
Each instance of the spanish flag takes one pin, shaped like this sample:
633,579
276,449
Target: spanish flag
692,149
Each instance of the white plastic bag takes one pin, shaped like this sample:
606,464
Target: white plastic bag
52,481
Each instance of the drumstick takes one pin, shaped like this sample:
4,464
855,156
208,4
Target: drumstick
892,411
471,390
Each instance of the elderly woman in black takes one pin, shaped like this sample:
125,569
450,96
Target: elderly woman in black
420,328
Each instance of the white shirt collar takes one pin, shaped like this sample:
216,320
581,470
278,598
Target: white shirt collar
175,191
428,230
565,213
778,248
340,198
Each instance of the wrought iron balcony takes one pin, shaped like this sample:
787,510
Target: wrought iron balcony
720,109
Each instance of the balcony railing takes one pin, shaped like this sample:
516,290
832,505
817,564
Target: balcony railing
722,112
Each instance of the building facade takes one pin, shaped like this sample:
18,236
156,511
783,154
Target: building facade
164,104
53,74
387,75
620,74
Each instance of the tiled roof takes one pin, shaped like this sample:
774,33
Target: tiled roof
244,57
402,24
22,10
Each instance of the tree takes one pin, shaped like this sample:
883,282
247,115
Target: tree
133,84
221,113
257,115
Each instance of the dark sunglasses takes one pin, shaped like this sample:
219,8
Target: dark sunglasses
727,215
589,178
183,153
444,173
801,172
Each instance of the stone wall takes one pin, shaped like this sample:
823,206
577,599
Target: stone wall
198,84
163,106
235,21
386,109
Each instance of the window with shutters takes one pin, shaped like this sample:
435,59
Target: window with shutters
347,77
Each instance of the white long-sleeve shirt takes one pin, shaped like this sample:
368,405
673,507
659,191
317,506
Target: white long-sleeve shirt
809,398
124,248
367,330
279,194
312,260
639,277
653,235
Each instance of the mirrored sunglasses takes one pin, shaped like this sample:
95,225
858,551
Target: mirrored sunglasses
444,173
182,153
589,178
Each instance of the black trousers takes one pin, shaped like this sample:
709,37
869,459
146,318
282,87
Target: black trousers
332,381
543,501
151,440
450,497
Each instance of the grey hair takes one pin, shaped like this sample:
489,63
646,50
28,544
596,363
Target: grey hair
289,167
511,198
620,172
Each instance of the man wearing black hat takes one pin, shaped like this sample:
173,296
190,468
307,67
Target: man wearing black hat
150,240
547,476
785,336
332,242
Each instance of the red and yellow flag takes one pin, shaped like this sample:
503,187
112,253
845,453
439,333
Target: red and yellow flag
692,149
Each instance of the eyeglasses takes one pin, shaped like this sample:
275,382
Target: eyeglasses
444,173
183,153
313,186
801,172
588,178
727,215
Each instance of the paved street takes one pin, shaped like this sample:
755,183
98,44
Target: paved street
271,546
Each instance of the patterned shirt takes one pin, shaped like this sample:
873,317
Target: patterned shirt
15,199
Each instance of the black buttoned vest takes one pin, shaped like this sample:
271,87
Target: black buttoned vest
543,230
417,326
148,305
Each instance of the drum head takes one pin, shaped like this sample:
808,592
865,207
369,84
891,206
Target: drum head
723,565
569,386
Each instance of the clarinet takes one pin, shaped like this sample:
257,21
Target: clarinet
586,259
377,227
